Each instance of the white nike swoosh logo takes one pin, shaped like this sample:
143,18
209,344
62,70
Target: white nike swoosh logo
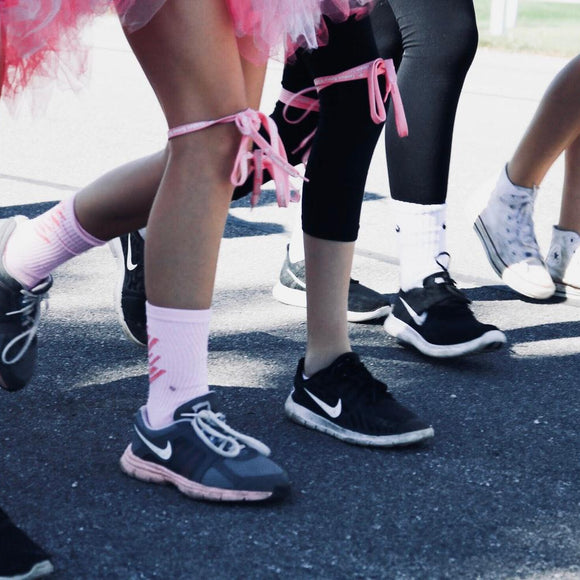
333,412
130,265
163,453
419,320
296,279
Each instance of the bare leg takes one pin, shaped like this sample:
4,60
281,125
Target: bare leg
123,197
254,75
563,257
570,208
555,126
190,56
120,200
138,180
506,226
326,261
197,75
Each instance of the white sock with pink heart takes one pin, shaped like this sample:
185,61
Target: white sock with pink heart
178,347
38,246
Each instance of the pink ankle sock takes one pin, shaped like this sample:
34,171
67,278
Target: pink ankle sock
38,246
177,360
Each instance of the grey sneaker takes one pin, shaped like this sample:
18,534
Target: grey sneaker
364,303
203,457
506,230
563,262
19,320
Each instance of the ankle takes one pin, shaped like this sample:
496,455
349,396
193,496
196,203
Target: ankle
505,186
519,178
319,360
567,228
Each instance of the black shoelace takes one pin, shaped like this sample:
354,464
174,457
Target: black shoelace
355,373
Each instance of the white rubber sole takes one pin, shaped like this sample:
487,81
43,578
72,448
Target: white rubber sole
305,417
37,571
488,342
520,285
153,473
289,296
294,297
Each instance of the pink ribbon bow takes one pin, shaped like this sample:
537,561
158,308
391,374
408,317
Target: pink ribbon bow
269,153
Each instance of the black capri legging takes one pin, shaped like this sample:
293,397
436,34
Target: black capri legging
432,43
346,135
435,42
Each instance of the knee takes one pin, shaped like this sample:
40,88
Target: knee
209,154
569,77
344,110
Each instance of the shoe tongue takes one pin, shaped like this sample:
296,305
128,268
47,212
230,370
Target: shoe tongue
347,358
434,280
438,288
206,401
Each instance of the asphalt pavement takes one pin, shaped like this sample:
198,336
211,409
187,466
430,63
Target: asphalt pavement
493,495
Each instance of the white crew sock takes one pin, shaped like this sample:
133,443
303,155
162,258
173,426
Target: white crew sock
178,344
421,239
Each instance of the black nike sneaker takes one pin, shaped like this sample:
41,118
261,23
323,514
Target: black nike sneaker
19,320
437,321
345,401
364,303
20,557
129,252
204,457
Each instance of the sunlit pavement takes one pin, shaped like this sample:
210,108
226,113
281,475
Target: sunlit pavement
494,495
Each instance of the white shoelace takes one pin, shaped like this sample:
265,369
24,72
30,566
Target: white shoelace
30,312
212,429
520,208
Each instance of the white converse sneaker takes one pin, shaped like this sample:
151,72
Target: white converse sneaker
506,230
563,262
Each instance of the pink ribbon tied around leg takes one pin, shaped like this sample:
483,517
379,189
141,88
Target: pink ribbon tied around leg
393,90
269,154
307,104
372,71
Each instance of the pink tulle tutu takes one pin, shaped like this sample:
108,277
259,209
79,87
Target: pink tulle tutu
279,27
41,39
